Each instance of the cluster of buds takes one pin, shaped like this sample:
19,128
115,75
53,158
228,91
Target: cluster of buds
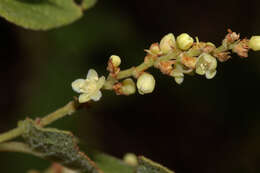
200,57
145,81
173,57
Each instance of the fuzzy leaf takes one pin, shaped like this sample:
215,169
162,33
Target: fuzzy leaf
58,146
43,14
147,166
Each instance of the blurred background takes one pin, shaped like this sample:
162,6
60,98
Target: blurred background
202,126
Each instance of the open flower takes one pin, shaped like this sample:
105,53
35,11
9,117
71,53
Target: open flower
206,65
90,87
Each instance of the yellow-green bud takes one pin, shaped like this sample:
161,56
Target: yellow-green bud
116,60
184,41
128,87
145,83
178,76
130,159
254,43
155,49
167,43
206,65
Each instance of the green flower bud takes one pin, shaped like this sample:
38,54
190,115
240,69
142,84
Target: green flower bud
155,49
206,65
254,43
184,41
145,83
116,60
178,76
128,87
167,43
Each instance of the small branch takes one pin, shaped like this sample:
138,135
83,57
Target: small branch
11,134
133,71
18,147
68,109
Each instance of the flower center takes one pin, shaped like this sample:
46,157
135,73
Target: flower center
90,86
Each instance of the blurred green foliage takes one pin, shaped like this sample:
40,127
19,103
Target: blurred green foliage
43,14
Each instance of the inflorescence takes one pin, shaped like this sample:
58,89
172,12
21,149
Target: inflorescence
173,57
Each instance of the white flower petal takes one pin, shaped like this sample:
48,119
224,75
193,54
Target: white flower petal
179,80
77,85
101,81
92,75
96,96
84,98
210,75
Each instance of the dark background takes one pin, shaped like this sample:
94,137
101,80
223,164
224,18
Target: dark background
202,126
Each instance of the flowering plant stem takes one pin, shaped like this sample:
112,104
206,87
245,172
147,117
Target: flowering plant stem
72,106
170,57
145,65
68,109
18,147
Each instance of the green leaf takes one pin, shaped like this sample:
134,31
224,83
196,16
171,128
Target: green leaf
58,146
148,166
43,14
86,4
110,164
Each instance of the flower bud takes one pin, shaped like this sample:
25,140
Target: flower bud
155,49
116,60
145,83
167,43
178,76
254,43
128,87
130,159
184,41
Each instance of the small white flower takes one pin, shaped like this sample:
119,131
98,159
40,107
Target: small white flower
206,65
90,87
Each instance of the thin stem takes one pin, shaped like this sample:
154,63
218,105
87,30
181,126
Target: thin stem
11,134
145,65
68,109
18,147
